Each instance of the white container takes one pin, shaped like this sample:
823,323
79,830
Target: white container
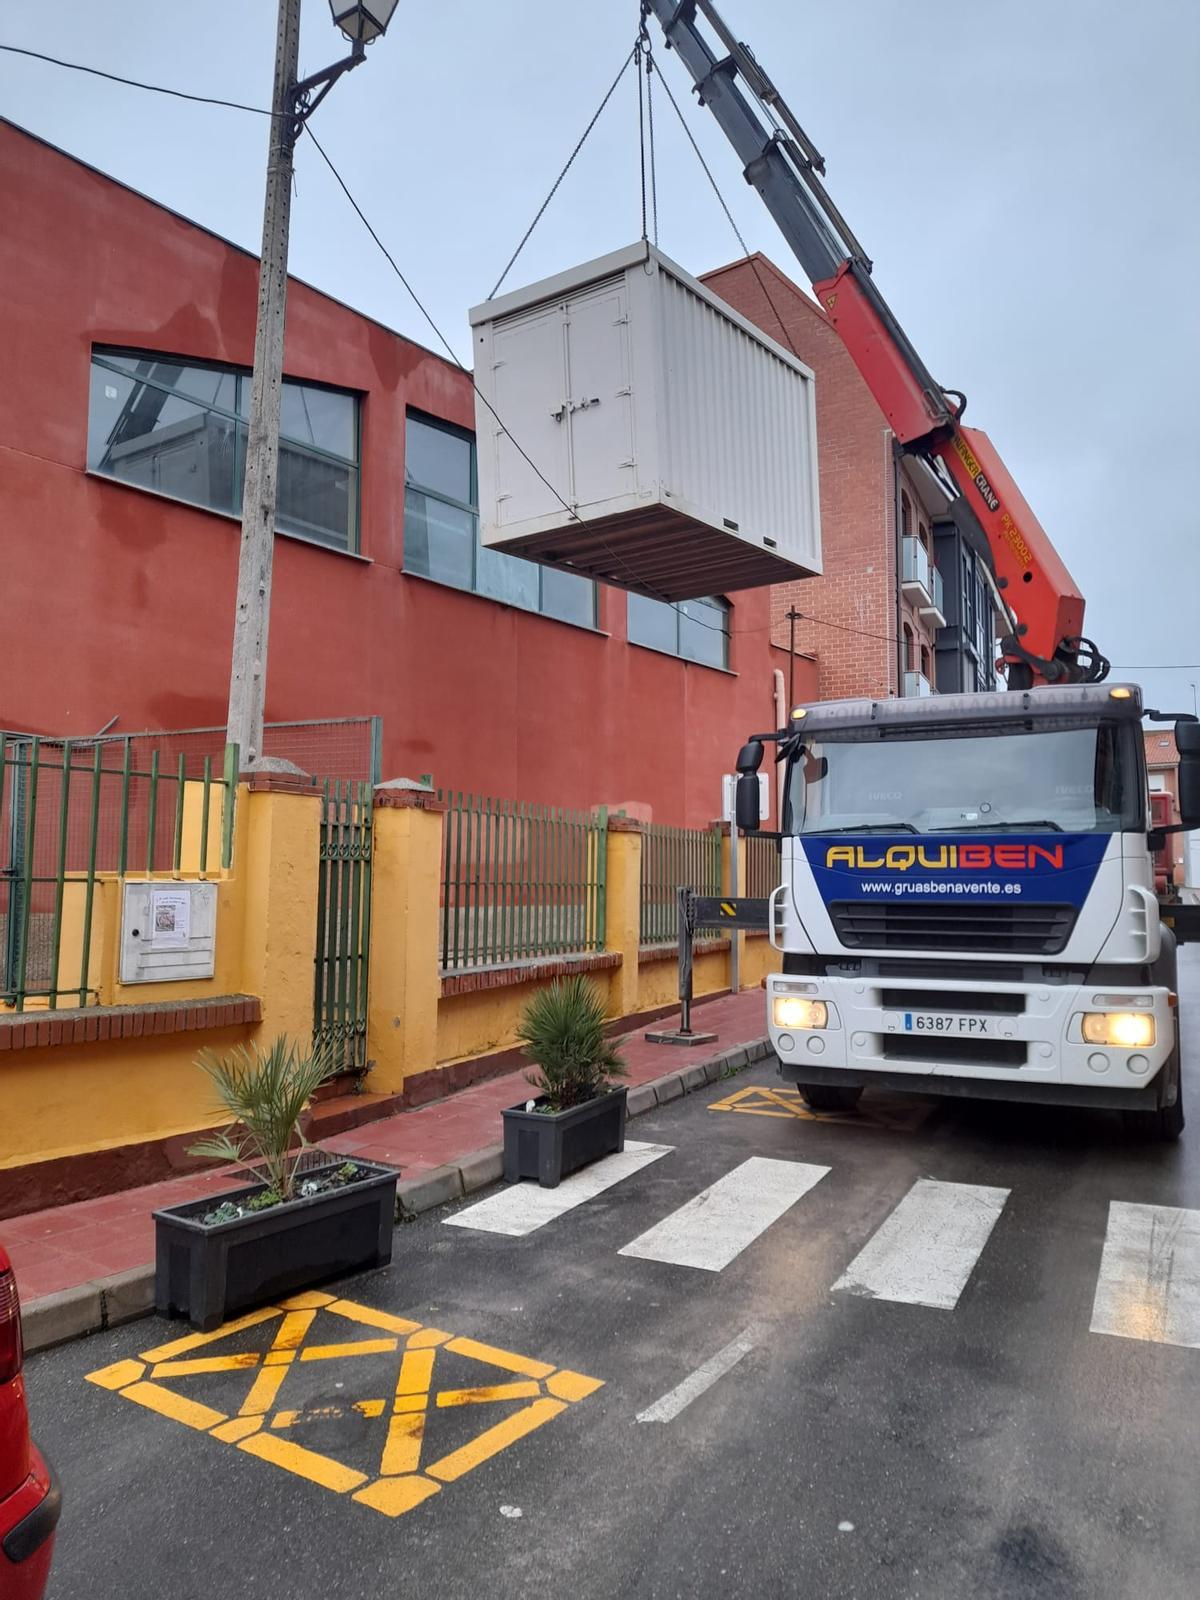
633,427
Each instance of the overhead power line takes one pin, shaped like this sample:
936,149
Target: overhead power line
134,83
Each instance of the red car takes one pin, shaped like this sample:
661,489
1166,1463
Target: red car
30,1499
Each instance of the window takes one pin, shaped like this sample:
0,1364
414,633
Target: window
923,535
180,428
905,516
925,663
696,630
441,531
909,643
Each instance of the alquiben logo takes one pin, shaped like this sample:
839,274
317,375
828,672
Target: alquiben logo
949,857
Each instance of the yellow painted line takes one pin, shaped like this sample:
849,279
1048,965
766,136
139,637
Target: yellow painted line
360,1347
370,1408
292,1330
499,1391
371,1317
304,1463
190,1412
263,1391
427,1339
460,1462
238,1363
118,1375
237,1429
568,1385
402,1450
416,1371
500,1358
309,1300
194,1341
395,1496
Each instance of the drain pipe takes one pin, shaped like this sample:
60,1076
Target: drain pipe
782,710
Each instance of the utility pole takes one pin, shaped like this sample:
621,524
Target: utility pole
293,100
248,672
793,617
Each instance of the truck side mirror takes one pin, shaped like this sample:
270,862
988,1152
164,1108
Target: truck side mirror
746,790
1187,741
745,802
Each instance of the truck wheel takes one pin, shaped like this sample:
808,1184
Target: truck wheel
1163,1125
828,1097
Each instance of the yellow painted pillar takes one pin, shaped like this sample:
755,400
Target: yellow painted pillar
406,880
623,910
727,888
279,828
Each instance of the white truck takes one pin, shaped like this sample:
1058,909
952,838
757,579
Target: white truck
968,903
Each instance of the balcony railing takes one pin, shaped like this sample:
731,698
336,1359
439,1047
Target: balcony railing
916,683
922,582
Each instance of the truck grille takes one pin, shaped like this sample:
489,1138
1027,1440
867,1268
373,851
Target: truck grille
896,925
960,1052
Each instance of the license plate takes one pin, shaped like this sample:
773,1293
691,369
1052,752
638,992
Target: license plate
975,1027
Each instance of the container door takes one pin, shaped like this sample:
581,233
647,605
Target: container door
601,399
530,389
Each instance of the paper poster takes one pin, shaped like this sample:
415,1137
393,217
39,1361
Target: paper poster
170,919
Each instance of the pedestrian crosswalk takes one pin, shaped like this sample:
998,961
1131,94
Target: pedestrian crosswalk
924,1252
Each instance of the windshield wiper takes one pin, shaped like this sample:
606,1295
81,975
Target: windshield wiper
1000,827
864,827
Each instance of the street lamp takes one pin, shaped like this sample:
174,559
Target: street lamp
293,101
365,22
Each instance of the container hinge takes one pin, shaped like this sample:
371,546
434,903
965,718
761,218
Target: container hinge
560,413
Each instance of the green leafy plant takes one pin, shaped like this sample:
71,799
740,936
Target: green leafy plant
265,1092
562,1030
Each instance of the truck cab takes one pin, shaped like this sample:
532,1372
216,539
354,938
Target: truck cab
968,902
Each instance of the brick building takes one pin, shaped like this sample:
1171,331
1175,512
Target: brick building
129,334
902,607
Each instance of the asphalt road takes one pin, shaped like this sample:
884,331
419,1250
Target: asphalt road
849,1443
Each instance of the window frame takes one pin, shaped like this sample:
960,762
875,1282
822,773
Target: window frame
241,426
716,602
467,436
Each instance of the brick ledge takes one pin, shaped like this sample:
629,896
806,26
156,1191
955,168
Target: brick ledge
472,982
25,1030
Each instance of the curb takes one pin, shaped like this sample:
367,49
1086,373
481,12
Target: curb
125,1296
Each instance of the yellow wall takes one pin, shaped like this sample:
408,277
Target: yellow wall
478,1024
70,1100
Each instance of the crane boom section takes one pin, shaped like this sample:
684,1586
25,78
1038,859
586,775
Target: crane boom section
782,164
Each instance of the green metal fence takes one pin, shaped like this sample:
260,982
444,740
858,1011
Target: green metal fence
519,881
764,871
74,810
344,924
673,859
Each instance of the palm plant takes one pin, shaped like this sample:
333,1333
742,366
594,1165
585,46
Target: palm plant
562,1029
265,1092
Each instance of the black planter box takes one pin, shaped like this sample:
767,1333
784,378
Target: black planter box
548,1145
207,1273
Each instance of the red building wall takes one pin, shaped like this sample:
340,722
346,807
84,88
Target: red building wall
118,602
856,597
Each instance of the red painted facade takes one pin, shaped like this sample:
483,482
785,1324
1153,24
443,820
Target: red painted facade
119,602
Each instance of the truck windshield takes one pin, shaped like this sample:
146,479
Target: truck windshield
1080,780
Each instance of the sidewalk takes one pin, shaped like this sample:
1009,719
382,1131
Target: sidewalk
90,1242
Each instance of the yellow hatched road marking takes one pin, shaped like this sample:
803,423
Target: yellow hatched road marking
304,1463
402,1482
488,1444
499,1391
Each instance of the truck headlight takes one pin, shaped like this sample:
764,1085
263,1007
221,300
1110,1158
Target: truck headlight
1130,1030
791,1011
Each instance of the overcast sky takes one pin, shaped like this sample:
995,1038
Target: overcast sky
1023,173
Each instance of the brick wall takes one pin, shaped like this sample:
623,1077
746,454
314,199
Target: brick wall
857,594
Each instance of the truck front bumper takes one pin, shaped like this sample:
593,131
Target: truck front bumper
1032,1048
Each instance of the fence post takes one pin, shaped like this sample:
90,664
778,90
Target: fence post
622,908
402,1001
281,829
734,882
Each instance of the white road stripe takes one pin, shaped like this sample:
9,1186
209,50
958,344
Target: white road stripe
524,1207
927,1249
1149,1284
672,1403
718,1224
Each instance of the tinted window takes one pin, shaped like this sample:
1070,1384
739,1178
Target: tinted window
696,630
